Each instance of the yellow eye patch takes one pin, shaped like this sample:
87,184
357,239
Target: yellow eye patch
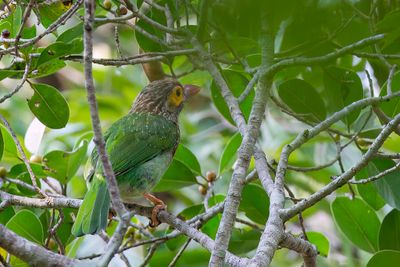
176,96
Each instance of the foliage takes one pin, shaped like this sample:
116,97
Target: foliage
45,75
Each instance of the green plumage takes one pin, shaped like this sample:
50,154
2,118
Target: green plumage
140,147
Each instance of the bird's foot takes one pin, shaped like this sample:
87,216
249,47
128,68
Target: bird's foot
158,206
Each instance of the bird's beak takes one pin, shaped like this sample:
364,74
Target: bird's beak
190,90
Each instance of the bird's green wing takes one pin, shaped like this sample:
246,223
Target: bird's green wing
137,138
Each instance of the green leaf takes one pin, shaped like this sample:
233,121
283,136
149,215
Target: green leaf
367,191
46,69
185,156
389,185
391,107
63,165
320,241
237,83
49,106
73,247
71,33
9,146
20,172
243,241
148,44
255,203
358,222
49,13
389,233
342,87
228,155
59,49
385,258
302,99
177,176
6,214
26,224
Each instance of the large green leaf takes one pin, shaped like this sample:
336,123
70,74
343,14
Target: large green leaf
184,155
63,165
342,87
389,233
177,176
229,153
26,224
237,83
302,99
358,222
389,185
49,106
385,258
320,241
255,203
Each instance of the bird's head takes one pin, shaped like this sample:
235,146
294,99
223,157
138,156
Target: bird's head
164,97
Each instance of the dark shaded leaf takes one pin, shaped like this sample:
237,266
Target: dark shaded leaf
387,258
302,99
389,233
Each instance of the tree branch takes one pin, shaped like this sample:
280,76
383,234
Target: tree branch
30,252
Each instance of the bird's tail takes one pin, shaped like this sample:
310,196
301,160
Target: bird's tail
93,213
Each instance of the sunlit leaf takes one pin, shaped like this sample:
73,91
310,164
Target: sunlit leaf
320,241
26,224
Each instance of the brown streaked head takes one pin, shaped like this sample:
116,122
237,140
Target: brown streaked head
164,97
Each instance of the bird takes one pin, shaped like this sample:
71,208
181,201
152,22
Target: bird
141,145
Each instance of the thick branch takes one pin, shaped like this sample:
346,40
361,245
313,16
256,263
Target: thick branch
30,252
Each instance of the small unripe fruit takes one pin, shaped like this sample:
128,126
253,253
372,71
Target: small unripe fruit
5,33
107,4
122,10
202,189
138,236
36,159
211,176
3,172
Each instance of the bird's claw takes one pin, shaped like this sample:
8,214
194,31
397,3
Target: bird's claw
154,222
